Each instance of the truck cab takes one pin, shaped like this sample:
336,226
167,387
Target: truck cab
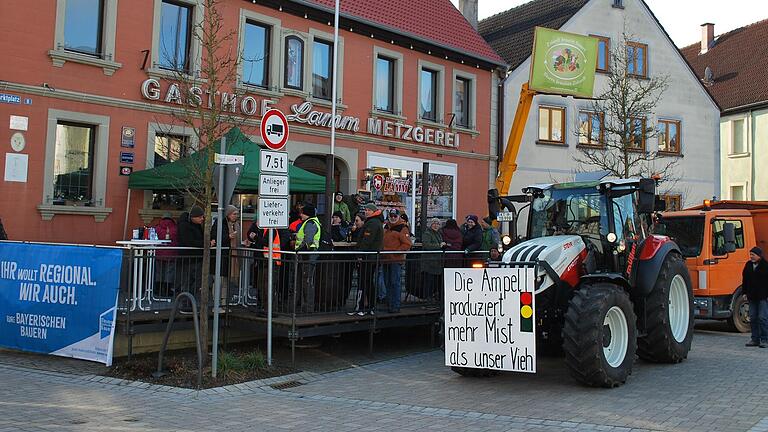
715,253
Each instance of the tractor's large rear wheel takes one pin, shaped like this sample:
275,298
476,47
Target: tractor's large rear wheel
669,315
600,335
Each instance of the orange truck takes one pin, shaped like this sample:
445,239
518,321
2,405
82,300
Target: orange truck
715,238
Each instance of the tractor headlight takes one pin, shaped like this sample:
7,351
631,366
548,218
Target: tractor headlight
622,246
611,237
506,240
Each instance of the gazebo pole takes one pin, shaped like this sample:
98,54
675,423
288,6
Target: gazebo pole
127,207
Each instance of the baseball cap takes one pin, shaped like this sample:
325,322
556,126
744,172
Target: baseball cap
395,212
371,206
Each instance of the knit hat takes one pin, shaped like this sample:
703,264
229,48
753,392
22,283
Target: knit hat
434,221
473,218
757,251
309,210
338,214
395,212
487,220
229,210
339,194
196,211
371,206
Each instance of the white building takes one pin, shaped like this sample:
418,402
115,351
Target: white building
551,141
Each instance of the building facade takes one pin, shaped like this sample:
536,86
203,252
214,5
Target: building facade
88,94
553,133
729,65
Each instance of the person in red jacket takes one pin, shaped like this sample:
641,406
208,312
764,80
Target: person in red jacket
166,262
396,238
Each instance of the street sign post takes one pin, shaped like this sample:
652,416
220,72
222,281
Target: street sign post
274,129
273,196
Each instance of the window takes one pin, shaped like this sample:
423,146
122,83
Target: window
718,235
256,54
636,134
322,69
462,106
737,138
85,33
294,63
737,193
618,4
385,84
73,163
170,148
603,53
591,128
428,95
83,23
552,125
673,202
669,136
637,59
175,35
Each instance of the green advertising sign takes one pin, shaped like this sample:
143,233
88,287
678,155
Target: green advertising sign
563,63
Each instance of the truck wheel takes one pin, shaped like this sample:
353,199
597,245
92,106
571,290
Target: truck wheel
600,335
740,317
669,315
474,372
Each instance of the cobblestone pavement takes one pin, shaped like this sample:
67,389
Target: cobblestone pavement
723,386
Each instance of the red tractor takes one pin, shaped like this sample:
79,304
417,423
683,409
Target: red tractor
607,288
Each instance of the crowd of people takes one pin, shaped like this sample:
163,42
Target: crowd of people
358,226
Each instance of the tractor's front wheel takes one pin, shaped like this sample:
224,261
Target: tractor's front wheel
600,335
669,315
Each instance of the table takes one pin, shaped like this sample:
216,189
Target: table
143,276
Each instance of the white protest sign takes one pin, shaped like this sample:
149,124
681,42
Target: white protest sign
490,319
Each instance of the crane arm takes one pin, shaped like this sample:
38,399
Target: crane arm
508,164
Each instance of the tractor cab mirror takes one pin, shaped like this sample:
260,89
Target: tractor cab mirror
646,202
729,235
661,205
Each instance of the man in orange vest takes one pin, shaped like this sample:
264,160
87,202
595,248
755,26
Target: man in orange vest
258,238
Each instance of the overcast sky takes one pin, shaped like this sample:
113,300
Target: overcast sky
681,18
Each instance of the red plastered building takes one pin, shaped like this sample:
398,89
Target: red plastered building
86,95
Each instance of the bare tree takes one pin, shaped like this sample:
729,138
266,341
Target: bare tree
614,136
210,112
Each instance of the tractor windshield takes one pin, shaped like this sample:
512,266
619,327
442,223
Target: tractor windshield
686,231
567,211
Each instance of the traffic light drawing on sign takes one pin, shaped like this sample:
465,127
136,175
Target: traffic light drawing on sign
526,312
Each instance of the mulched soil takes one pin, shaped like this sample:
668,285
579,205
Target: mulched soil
181,369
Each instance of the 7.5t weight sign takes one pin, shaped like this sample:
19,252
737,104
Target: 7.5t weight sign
274,129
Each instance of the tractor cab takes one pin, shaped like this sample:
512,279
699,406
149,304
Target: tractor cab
611,218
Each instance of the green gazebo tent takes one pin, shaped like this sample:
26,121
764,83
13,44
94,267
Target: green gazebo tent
180,175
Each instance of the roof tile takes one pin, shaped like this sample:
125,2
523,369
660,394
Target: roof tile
510,33
736,62
437,21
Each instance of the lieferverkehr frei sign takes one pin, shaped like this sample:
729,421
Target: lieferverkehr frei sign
563,63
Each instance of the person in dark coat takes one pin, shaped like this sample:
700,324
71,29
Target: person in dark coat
229,239
371,240
190,232
473,235
453,242
755,287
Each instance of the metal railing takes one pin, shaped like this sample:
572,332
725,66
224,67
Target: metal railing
304,283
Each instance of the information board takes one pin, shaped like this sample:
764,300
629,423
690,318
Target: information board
490,319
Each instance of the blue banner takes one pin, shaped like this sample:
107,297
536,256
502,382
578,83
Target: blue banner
59,300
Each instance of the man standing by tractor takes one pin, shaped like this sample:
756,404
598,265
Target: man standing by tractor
755,286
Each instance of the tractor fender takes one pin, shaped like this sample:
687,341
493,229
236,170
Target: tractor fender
650,262
614,278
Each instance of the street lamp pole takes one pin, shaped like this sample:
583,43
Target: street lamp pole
329,163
